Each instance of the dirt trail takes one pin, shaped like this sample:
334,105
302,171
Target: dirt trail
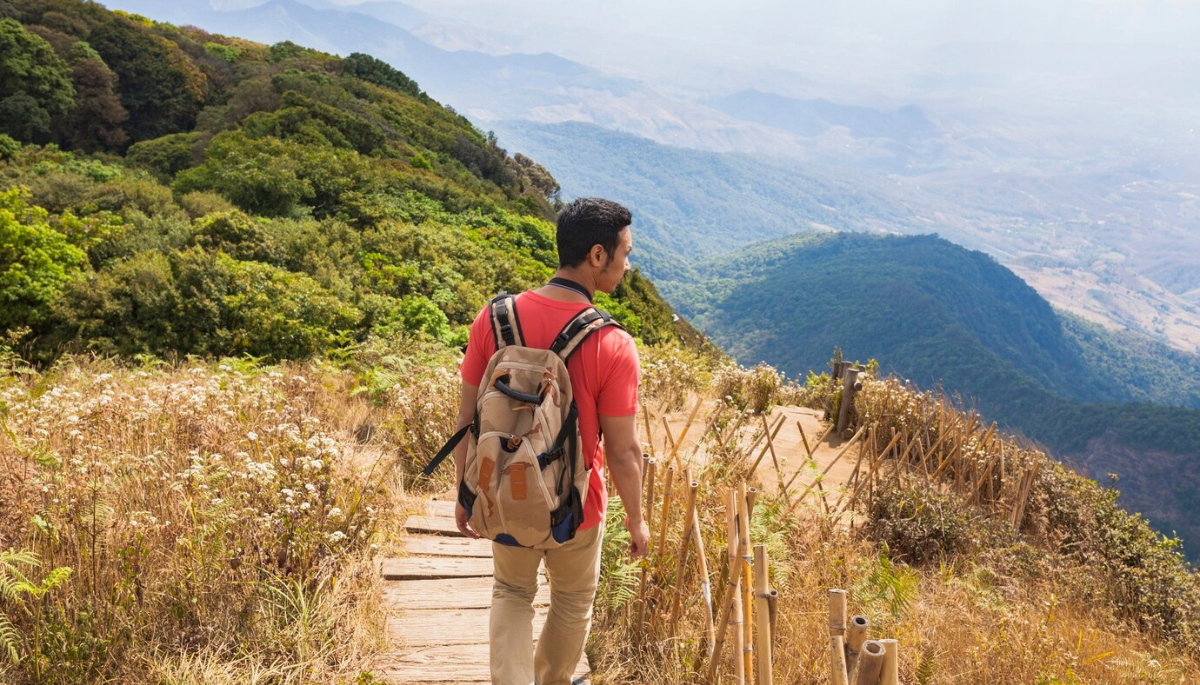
789,448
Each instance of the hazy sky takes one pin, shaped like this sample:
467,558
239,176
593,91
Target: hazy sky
1130,46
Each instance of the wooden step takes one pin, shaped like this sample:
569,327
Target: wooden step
443,546
450,593
414,568
430,628
432,525
446,664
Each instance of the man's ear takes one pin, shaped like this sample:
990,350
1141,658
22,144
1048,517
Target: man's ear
596,255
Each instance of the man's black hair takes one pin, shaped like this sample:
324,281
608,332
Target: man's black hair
586,222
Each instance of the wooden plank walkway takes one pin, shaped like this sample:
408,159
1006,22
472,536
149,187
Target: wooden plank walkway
438,597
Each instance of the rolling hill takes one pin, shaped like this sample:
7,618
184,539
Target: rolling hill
945,317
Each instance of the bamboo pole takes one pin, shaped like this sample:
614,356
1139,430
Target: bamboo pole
735,507
837,613
856,635
684,547
705,584
676,444
848,389
642,583
763,610
666,508
840,454
770,436
775,460
870,663
649,430
744,504
891,663
731,595
837,661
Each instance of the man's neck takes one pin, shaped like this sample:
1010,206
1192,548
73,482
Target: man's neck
564,294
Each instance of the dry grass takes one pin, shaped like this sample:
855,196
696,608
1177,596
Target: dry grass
220,521
981,603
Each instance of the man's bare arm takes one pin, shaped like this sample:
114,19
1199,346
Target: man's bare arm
623,452
466,414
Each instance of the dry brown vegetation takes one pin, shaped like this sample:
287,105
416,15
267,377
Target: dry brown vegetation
987,561
205,522
220,522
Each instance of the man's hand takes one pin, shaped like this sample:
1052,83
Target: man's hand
639,534
464,524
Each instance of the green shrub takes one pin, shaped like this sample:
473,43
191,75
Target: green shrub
919,525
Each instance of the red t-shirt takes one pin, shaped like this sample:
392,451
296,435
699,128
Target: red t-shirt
604,376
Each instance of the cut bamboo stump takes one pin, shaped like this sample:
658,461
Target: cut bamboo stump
856,636
438,598
870,663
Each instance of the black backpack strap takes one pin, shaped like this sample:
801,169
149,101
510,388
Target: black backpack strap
578,329
506,325
446,450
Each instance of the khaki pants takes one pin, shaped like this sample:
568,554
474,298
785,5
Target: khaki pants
574,570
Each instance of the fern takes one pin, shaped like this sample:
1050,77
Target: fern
618,573
14,583
926,666
889,587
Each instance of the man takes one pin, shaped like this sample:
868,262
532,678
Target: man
594,242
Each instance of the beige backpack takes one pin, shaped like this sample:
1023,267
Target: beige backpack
525,480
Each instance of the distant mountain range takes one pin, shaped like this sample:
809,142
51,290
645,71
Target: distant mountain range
949,318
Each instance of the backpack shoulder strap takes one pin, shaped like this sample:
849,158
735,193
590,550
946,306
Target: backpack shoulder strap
506,325
578,329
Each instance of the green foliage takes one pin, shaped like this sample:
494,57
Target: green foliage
919,525
618,572
886,588
35,84
311,203
160,87
36,261
8,146
165,156
380,73
16,589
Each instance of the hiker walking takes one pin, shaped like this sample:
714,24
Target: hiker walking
548,378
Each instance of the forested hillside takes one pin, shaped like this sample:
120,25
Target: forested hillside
169,192
947,317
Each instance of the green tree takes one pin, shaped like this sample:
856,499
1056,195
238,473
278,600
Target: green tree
36,261
380,73
160,86
95,124
35,84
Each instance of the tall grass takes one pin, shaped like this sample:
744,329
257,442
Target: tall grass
219,521
1082,592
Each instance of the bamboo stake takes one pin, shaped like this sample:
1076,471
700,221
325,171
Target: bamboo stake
840,454
891,663
775,460
666,508
642,583
769,436
871,663
731,595
837,613
744,505
670,439
837,660
856,635
684,547
763,609
682,436
649,430
705,585
738,650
